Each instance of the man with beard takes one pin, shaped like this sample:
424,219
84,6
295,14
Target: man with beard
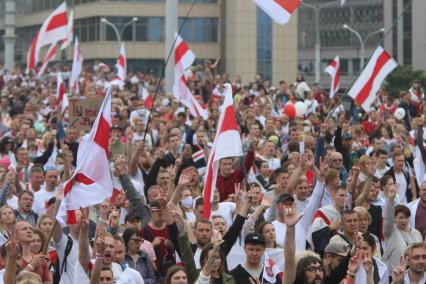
416,260
24,212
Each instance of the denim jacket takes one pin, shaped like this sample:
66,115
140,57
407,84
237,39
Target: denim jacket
143,266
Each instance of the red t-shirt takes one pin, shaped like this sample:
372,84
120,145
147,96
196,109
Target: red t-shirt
163,252
42,271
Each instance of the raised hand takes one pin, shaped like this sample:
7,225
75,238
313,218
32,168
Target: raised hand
354,263
185,177
253,144
367,262
12,245
334,225
100,245
291,217
399,272
114,219
120,166
371,168
60,193
10,176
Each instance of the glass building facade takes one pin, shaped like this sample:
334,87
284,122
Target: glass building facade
264,44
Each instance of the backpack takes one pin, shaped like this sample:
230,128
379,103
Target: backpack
58,268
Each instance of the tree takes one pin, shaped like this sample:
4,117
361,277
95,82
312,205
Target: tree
401,78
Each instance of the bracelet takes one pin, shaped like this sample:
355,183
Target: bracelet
31,267
350,274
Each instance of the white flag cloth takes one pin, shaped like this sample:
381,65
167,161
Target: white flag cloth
365,89
50,55
91,182
61,96
334,71
70,26
122,63
184,58
77,67
53,30
227,143
342,2
279,10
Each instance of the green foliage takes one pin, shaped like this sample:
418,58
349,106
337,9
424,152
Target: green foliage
401,78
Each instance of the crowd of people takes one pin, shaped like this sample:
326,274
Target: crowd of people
334,196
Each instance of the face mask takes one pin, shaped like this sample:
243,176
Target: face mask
187,202
60,168
306,129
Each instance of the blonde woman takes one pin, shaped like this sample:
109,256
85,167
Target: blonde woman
7,222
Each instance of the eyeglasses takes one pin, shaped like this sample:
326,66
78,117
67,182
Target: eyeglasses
313,269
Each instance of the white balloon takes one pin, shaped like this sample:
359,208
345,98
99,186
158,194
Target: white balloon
301,108
399,113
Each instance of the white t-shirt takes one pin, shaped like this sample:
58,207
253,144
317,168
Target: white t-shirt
401,189
13,202
40,199
280,230
67,277
226,210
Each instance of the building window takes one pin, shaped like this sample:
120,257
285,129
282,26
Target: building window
407,33
356,65
150,29
119,22
344,68
264,44
200,29
87,29
395,28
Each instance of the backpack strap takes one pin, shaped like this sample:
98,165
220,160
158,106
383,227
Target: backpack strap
66,253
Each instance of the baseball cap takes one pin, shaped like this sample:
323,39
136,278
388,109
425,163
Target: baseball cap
285,197
132,217
254,239
337,248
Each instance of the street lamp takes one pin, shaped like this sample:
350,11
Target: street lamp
317,7
363,41
119,33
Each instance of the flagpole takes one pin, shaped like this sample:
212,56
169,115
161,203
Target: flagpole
163,70
379,43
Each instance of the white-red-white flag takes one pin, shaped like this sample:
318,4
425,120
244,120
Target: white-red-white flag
334,71
365,89
227,143
271,270
91,182
61,96
122,64
279,10
77,67
70,26
53,30
184,57
50,55
147,98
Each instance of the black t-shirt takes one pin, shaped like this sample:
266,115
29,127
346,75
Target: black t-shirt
376,226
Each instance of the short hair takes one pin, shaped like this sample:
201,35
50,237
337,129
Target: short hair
217,217
25,192
202,221
26,277
402,209
347,212
331,175
381,152
36,169
119,239
384,180
172,134
362,211
410,248
293,146
199,202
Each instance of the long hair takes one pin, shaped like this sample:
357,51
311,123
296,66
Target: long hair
302,265
205,254
172,271
2,228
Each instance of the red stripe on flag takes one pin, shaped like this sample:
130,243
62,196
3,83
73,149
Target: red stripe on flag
57,21
333,64
229,121
180,51
32,58
102,134
122,61
336,79
289,5
365,91
81,178
71,217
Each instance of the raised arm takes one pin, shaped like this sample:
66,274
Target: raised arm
97,268
371,169
291,219
12,252
389,213
83,240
